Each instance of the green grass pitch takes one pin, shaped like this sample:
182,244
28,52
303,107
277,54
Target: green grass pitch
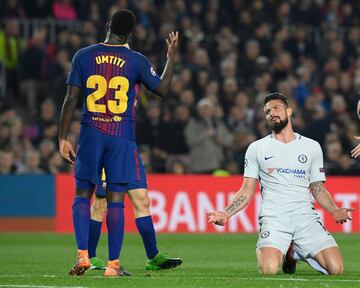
43,260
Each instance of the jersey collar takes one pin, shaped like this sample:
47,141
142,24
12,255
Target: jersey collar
126,45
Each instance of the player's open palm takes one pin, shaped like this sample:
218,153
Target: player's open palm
66,150
341,215
173,42
355,153
218,217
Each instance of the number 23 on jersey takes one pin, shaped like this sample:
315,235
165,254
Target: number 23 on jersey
121,86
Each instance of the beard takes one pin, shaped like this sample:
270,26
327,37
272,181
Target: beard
278,126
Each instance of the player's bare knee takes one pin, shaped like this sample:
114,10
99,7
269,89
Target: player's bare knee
98,209
335,269
97,215
142,209
269,260
268,265
99,203
141,202
270,268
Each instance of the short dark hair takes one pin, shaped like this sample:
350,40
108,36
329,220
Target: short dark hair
276,96
122,22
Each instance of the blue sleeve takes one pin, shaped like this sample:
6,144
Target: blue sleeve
147,74
74,77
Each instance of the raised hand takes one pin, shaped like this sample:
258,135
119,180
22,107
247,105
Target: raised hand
173,42
67,151
356,151
218,217
341,215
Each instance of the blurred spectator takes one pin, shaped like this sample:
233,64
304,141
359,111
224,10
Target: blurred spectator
10,48
38,8
143,39
58,71
206,139
238,121
145,154
177,143
299,45
348,166
318,122
47,148
4,135
31,85
154,133
247,64
48,112
187,99
32,163
50,131
64,10
12,9
241,142
232,54
56,164
177,167
7,165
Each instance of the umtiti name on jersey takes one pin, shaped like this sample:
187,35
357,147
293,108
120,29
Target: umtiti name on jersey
110,59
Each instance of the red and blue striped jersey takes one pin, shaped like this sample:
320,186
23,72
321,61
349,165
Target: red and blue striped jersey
110,77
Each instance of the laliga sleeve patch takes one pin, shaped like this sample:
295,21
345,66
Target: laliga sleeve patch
265,234
152,71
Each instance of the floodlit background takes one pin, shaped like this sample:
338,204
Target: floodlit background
231,53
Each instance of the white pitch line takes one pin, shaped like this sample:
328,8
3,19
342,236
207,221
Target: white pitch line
325,279
40,286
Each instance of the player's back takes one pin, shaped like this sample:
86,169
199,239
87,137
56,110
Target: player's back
110,76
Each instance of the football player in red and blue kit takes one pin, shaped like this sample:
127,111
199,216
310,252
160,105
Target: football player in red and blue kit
107,76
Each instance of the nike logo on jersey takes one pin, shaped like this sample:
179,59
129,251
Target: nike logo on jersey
267,158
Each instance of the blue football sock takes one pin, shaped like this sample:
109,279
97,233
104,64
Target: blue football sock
115,225
94,236
81,219
146,229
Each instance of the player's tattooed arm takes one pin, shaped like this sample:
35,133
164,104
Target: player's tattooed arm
323,197
241,199
317,188
355,153
238,203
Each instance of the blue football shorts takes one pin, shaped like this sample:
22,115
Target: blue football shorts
117,155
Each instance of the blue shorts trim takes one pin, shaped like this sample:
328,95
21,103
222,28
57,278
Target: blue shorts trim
83,184
123,187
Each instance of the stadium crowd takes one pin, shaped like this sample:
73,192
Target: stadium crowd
232,54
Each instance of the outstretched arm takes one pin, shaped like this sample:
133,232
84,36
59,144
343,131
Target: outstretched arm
323,197
173,42
356,151
241,199
66,149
